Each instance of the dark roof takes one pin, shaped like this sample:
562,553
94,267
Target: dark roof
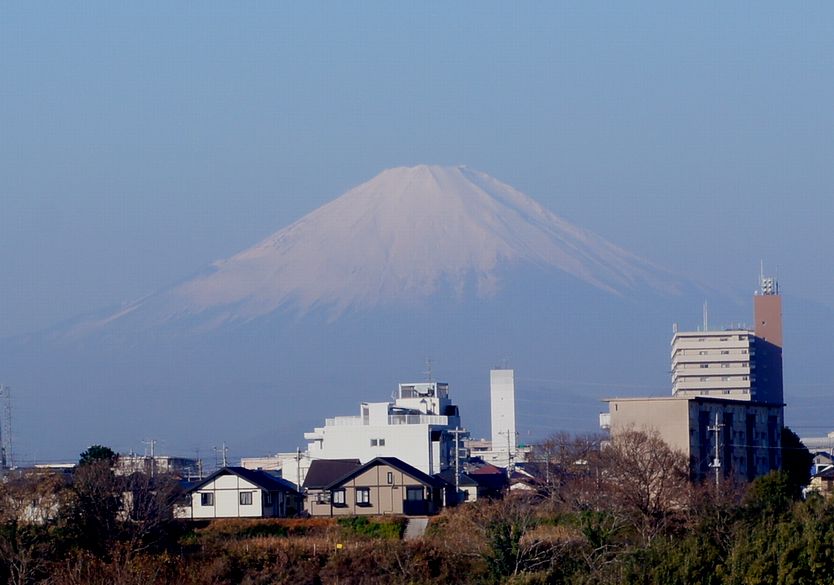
263,479
826,473
449,477
323,472
396,464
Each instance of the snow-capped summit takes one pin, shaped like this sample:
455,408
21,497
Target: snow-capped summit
408,233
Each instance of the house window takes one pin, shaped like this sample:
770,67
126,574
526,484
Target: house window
363,496
382,442
374,442
704,365
338,497
206,499
413,494
245,498
324,497
390,477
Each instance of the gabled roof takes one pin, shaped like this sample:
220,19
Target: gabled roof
826,473
323,472
449,477
398,464
263,479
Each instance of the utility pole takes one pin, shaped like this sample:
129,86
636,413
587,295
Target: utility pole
716,462
222,452
457,432
510,455
6,459
152,444
298,467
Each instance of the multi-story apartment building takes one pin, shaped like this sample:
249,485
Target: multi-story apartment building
726,408
740,364
714,363
748,433
420,427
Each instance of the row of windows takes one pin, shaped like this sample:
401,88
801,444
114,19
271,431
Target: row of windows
743,351
715,365
207,498
363,495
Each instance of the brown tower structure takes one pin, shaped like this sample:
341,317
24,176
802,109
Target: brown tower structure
767,316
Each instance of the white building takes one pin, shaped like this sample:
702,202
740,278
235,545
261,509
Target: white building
713,363
502,414
235,492
414,428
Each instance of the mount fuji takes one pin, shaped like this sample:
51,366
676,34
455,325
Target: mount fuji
405,236
435,262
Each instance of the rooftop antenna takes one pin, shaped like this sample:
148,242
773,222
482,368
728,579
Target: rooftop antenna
428,371
761,275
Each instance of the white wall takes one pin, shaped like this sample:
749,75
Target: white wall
226,490
502,410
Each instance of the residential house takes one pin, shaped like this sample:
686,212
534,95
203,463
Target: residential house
384,485
321,474
236,492
468,487
822,482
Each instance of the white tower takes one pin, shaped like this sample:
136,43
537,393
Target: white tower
502,406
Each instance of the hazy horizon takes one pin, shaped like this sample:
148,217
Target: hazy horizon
141,143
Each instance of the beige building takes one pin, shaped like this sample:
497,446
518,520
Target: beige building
385,485
713,363
734,363
726,408
748,434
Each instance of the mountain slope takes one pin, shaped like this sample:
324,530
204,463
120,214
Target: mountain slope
405,235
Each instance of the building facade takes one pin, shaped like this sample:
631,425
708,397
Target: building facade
502,415
748,434
236,492
384,485
741,364
726,411
418,427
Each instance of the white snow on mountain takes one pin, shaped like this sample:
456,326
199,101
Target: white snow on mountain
406,234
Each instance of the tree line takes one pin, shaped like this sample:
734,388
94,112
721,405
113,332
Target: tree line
626,513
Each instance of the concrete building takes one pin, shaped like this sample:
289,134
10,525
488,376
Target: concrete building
502,412
419,427
749,434
726,410
736,363
181,467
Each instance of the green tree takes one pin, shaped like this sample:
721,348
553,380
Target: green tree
95,453
796,461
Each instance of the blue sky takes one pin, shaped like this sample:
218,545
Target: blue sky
140,141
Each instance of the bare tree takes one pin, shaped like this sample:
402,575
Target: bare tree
645,480
29,505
